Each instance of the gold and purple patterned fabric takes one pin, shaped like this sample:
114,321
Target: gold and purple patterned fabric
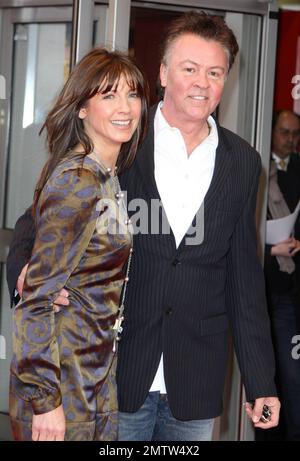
67,357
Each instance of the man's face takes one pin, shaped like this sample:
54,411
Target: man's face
285,134
193,77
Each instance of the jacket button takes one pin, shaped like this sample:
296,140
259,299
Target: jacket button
169,311
176,262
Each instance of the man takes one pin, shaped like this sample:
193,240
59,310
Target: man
282,265
184,291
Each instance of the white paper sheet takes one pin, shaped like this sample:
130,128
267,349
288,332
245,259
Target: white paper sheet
281,229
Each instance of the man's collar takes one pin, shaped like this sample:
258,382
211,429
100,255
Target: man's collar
161,124
281,163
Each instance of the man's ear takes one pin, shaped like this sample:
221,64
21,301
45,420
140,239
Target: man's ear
163,75
82,113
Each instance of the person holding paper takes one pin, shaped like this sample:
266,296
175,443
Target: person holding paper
282,268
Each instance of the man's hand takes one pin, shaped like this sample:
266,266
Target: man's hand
287,248
61,300
49,426
20,281
256,412
296,247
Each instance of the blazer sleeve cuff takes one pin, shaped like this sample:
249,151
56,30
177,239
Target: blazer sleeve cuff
265,391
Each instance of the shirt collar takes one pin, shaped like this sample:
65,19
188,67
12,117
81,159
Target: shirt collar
161,124
278,160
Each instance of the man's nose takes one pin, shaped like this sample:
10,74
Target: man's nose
202,80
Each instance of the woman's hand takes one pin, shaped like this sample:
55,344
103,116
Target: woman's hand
20,281
287,248
61,300
49,426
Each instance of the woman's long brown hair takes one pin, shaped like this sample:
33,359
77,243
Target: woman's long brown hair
65,130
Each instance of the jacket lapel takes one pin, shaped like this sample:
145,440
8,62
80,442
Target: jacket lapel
145,158
222,169
145,163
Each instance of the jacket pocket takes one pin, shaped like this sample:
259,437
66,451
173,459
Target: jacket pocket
213,325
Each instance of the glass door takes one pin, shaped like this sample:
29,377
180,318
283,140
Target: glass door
41,62
35,64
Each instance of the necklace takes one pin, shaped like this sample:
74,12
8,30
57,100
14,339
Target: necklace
120,318
117,327
119,195
95,156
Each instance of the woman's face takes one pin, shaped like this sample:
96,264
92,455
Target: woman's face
110,119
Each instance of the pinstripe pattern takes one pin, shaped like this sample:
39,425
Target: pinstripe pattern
184,310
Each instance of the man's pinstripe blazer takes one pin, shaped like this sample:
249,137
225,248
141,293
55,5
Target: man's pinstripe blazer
181,302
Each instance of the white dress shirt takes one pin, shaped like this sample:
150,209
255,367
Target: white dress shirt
182,182
281,163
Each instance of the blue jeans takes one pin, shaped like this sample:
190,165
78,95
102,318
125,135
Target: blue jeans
154,422
284,326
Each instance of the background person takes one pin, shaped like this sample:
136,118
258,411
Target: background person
282,271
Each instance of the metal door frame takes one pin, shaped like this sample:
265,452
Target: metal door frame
10,17
232,6
39,14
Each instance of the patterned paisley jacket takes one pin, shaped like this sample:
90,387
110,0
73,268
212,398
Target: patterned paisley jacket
82,244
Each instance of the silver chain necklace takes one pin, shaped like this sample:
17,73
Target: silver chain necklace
117,327
119,320
119,195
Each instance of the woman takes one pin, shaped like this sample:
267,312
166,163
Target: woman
63,367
